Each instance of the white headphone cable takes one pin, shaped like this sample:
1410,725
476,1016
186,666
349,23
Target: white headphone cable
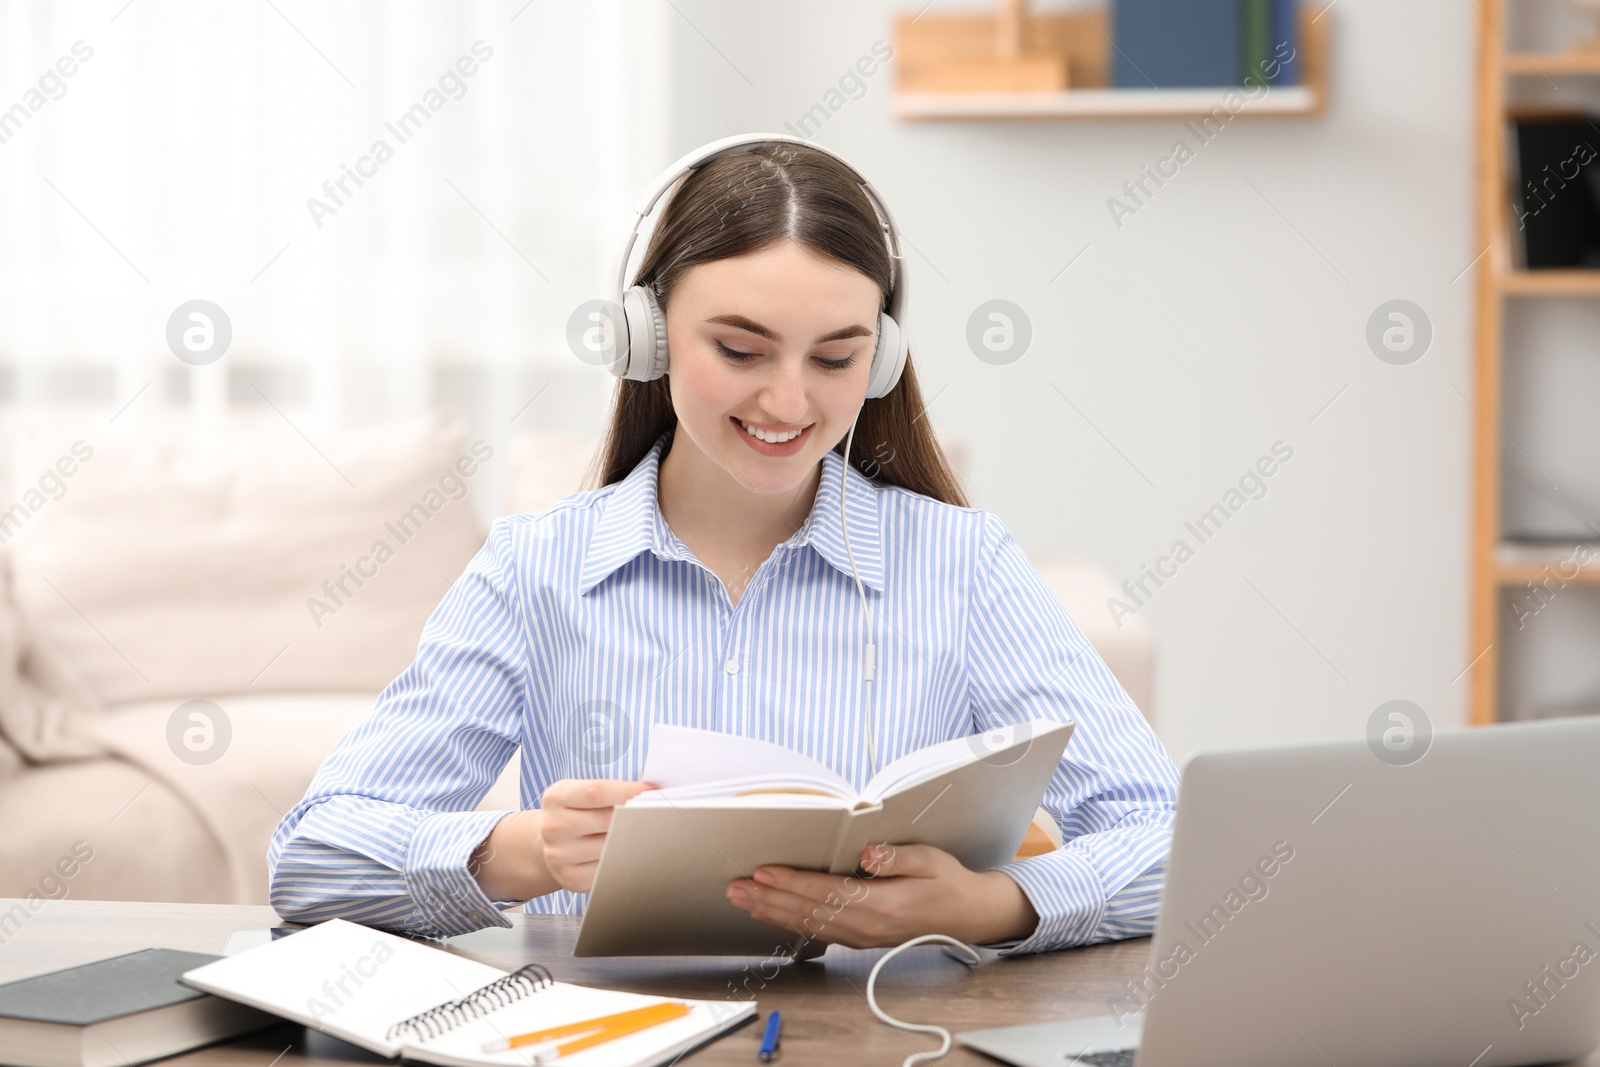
921,1028
870,652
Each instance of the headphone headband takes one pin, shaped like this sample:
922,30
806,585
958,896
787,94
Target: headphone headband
728,146
888,359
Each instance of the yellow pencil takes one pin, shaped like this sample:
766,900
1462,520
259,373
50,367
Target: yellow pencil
607,1024
669,1012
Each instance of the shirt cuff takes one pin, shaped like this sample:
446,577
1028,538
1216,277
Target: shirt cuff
448,898
1065,892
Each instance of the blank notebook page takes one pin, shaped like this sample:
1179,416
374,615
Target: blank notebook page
345,979
356,983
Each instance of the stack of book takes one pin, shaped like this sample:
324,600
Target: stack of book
1173,44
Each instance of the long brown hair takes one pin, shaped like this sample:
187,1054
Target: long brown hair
742,203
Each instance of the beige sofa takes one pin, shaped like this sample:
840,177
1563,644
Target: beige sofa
183,638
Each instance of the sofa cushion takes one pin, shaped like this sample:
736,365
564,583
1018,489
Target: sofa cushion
41,694
252,758
103,829
262,562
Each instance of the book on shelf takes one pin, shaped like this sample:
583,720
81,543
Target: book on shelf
727,805
1174,44
1284,43
1255,21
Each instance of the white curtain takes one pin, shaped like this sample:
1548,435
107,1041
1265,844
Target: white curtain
396,204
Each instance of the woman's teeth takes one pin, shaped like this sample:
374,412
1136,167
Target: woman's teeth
769,436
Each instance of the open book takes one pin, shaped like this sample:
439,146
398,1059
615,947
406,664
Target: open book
402,998
729,804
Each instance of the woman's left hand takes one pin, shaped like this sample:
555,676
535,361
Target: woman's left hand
909,890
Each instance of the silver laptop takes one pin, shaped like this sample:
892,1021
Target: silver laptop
1330,903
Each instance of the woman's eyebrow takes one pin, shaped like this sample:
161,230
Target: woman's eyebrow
751,326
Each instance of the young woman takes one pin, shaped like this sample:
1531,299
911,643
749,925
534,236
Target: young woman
717,578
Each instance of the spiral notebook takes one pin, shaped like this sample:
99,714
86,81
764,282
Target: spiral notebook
399,998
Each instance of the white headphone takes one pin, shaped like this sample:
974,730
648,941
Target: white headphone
637,347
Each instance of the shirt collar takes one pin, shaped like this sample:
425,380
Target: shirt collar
631,522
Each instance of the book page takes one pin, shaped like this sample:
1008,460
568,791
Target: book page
1001,745
978,810
682,756
765,790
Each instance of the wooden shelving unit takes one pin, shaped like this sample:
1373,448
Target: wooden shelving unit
1083,39
1498,563
1550,283
1518,562
1575,62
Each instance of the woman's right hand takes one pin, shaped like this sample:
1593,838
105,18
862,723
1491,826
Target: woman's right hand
555,846
575,815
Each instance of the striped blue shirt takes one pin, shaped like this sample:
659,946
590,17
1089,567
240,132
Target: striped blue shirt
573,630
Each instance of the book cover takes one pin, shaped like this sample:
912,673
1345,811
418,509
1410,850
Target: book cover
102,990
1283,45
1172,44
126,1009
1254,47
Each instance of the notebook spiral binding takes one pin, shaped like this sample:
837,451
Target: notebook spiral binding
522,982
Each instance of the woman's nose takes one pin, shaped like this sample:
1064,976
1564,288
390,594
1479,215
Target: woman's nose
784,396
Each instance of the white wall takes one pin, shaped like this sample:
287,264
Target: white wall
446,276
1222,317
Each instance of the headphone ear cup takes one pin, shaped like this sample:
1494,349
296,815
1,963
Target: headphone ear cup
646,343
888,358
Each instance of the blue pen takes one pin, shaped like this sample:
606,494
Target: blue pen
769,1042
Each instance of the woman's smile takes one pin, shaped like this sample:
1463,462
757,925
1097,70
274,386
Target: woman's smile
772,442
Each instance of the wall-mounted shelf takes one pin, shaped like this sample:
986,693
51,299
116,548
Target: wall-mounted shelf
1083,39
1097,103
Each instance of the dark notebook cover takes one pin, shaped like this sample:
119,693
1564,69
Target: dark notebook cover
1177,43
106,989
1558,162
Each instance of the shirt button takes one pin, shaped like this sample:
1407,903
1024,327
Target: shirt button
732,666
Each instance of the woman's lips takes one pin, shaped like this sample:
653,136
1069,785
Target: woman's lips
766,448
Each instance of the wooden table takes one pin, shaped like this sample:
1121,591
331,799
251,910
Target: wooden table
825,1014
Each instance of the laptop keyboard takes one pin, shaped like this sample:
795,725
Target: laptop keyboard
1122,1057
